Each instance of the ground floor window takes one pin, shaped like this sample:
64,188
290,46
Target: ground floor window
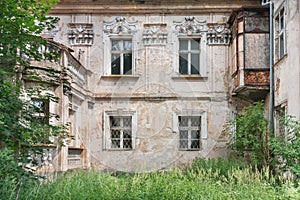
280,114
189,132
121,132
120,127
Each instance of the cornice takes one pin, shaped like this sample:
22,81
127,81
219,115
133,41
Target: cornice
164,7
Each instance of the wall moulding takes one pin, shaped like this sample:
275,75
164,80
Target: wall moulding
149,7
155,34
80,34
218,34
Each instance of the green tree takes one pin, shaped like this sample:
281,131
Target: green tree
21,25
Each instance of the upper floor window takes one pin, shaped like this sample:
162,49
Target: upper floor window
121,56
189,51
280,34
119,43
189,56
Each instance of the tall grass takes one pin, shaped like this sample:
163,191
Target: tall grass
212,179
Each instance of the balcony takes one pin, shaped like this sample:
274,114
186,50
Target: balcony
250,53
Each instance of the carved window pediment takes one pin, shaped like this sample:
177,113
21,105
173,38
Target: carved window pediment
216,33
120,26
190,26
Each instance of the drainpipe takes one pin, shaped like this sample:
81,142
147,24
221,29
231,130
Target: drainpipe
271,101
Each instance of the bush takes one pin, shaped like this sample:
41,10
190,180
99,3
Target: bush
250,136
14,179
286,148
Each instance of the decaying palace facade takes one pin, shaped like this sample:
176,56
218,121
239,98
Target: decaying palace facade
154,82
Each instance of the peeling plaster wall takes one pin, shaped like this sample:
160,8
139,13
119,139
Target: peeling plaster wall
155,91
287,70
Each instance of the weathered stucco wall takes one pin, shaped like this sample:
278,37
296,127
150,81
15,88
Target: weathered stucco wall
287,70
155,94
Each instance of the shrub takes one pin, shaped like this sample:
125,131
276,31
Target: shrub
249,138
286,148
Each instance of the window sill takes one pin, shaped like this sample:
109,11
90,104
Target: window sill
189,149
280,60
116,149
117,77
190,77
75,148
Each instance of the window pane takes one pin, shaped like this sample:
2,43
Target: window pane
276,48
127,45
281,46
127,143
195,135
127,63
183,63
115,45
195,121
195,144
183,45
115,134
183,144
115,64
183,121
195,44
183,135
195,64
115,121
127,134
282,19
127,122
115,143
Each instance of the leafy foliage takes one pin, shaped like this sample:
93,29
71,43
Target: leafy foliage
250,135
24,123
286,148
21,23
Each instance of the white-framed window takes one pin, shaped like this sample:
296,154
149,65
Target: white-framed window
192,130
120,42
121,56
189,132
280,35
189,38
119,130
189,56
